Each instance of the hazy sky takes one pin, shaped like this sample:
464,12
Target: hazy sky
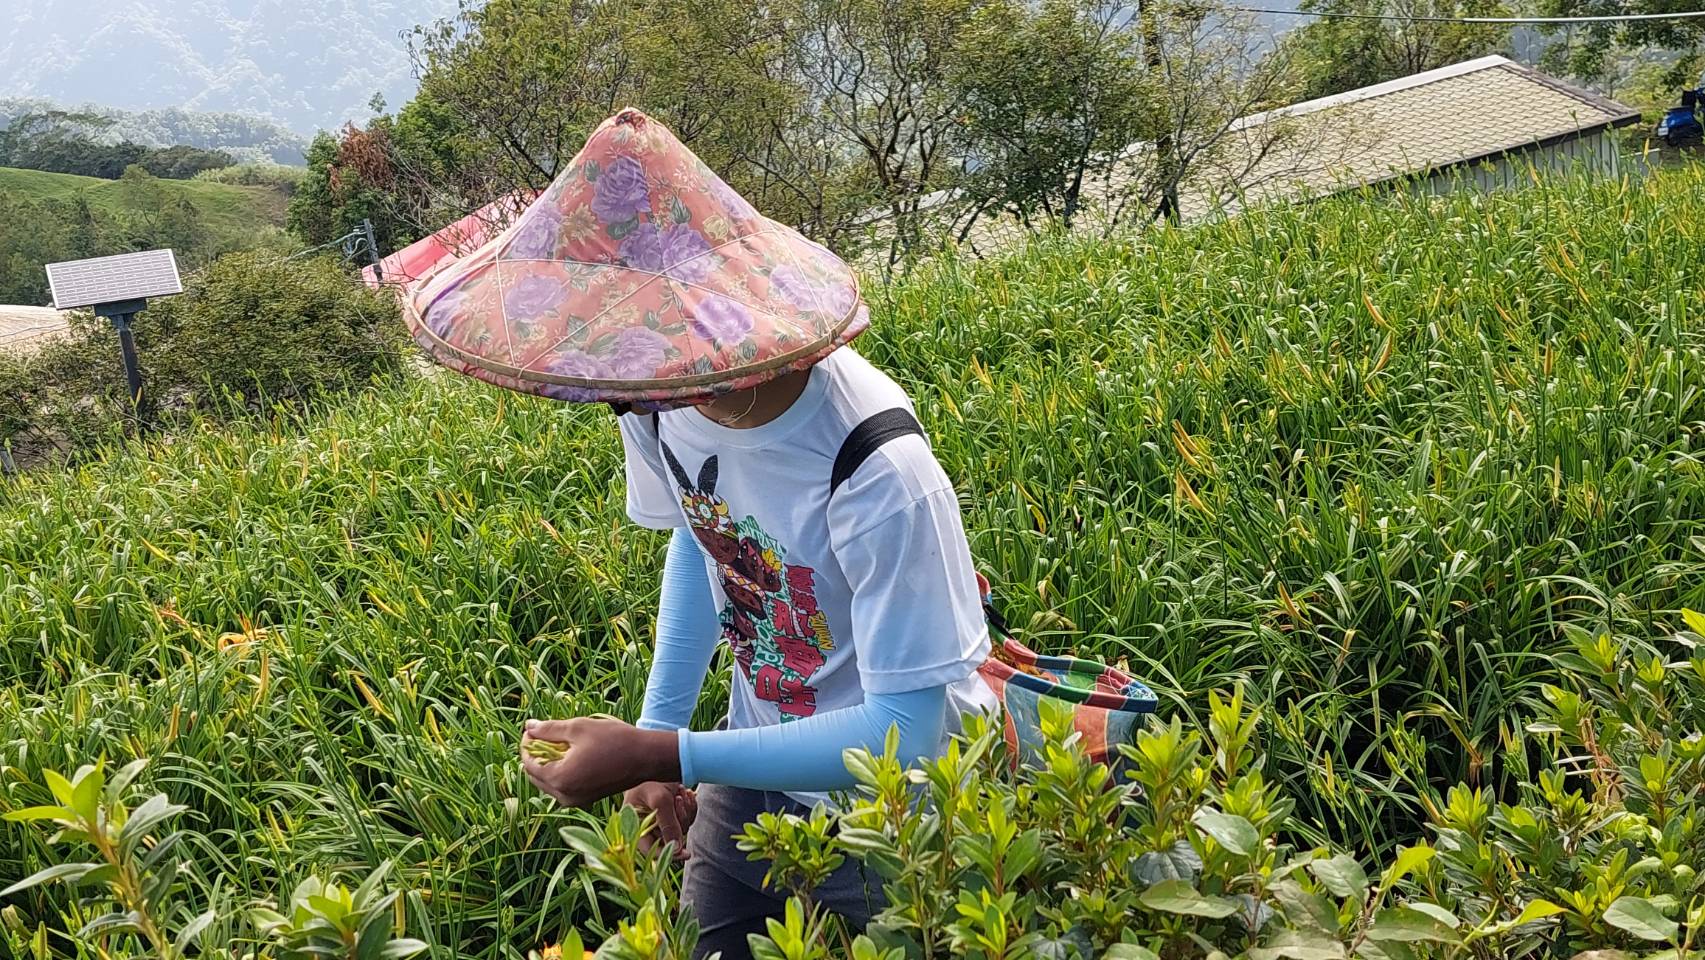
306,63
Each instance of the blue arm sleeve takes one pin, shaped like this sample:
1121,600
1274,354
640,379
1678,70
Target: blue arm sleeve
805,755
687,633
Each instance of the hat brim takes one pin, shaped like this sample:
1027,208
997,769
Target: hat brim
794,338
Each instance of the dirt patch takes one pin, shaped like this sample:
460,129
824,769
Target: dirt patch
26,328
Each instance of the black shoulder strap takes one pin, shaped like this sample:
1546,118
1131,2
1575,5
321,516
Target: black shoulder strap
707,473
876,430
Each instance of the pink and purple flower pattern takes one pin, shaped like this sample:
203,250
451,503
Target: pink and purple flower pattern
839,299
578,364
638,353
532,297
441,315
733,204
537,237
721,320
833,297
676,251
794,286
621,193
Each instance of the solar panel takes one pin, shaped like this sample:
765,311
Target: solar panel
127,276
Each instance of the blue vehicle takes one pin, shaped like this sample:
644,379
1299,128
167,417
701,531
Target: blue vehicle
1681,126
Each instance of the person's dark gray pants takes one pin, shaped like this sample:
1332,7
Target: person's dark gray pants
726,892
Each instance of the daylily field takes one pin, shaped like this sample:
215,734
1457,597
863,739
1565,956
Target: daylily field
1391,466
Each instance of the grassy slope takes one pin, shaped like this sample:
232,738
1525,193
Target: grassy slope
232,213
1372,459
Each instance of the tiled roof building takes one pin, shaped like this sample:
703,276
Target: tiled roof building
1480,123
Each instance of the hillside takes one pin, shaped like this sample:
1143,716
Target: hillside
230,213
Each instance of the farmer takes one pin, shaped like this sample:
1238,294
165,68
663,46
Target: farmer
848,599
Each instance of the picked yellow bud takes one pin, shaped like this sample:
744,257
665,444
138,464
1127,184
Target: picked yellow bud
545,751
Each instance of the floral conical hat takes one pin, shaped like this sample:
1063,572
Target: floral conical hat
638,277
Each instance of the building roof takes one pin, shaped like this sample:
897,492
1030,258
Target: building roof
1456,115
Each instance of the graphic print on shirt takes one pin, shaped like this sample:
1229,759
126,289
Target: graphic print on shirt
771,620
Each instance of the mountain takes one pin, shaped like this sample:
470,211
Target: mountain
304,64
244,137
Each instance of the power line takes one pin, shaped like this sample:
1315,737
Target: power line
351,243
1621,18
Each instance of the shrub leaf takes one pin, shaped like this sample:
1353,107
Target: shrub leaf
1409,925
1176,896
68,872
1231,831
1178,863
1342,875
1409,859
1694,619
1641,918
1296,945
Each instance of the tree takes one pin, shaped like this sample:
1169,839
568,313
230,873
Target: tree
32,233
893,122
351,179
1082,113
161,216
1594,51
63,142
524,81
510,90
38,232
28,133
183,163
878,75
1335,54
90,235
796,168
1047,95
311,215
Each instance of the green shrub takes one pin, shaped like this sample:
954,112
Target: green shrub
276,175
251,330
182,162
47,218
251,324
61,400
1193,856
145,873
37,231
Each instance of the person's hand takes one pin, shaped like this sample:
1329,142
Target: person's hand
603,757
674,808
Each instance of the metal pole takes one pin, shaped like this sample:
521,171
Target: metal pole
132,373
372,248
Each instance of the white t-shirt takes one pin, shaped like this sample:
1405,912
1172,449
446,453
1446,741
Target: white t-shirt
820,598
